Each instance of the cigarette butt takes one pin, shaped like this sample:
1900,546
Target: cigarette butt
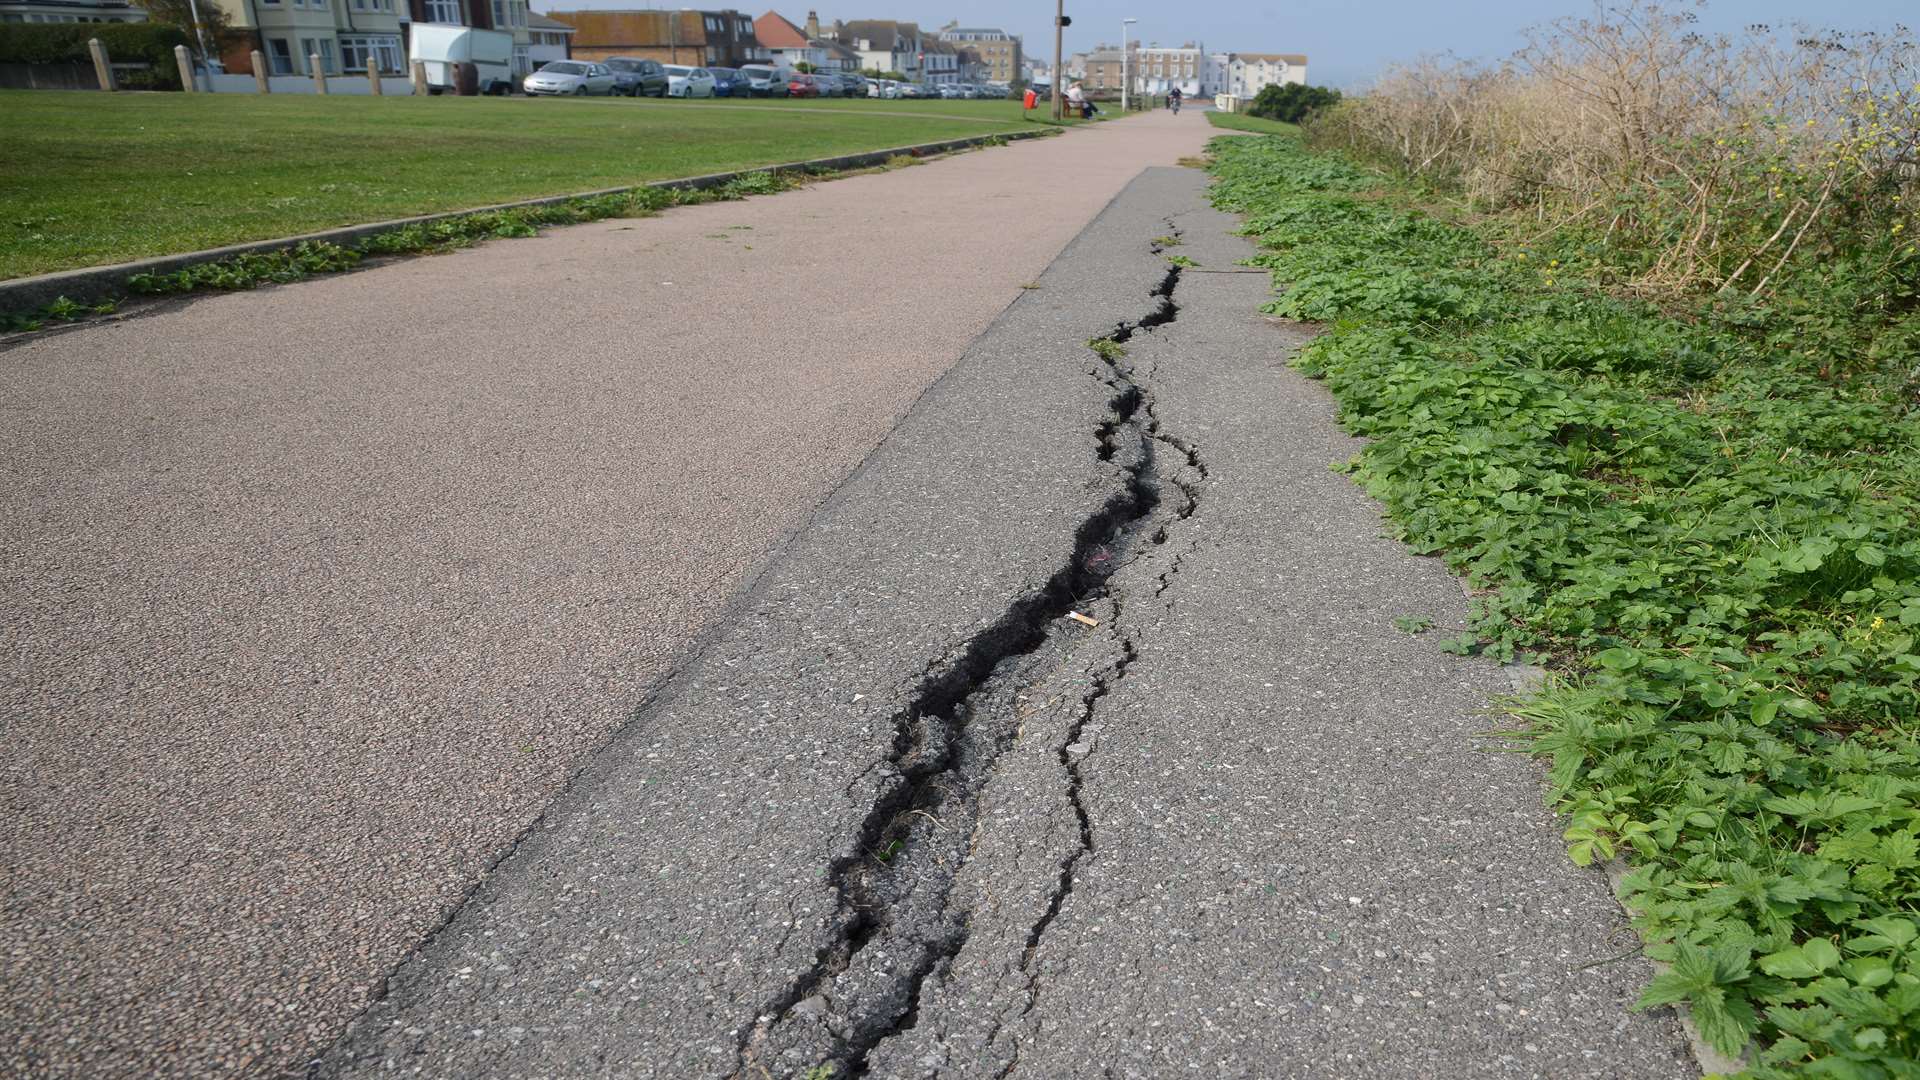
1079,618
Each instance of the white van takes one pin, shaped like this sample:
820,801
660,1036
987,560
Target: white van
440,46
766,80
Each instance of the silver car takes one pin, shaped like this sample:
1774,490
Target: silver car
688,82
575,78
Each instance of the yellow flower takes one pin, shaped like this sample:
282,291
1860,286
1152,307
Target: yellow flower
1521,255
1877,623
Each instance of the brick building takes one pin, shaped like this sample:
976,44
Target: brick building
700,38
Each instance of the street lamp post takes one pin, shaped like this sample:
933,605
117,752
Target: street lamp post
200,32
1059,76
1126,80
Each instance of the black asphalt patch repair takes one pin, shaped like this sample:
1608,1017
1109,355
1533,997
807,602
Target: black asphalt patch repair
906,818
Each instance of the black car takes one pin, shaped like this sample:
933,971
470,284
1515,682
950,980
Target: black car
635,77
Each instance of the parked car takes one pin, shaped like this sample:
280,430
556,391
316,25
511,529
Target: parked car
828,84
800,84
856,84
688,82
766,80
636,77
573,77
948,91
910,90
728,82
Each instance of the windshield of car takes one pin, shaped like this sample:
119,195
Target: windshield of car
625,65
677,71
757,73
561,67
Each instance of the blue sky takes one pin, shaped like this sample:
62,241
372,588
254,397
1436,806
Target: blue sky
1346,42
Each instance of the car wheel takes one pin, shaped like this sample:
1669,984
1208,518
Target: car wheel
580,91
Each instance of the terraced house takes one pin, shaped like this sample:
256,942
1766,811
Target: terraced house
69,11
1244,74
1157,70
349,36
788,44
884,45
939,61
724,38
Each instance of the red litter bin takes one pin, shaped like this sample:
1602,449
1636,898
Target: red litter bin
1031,101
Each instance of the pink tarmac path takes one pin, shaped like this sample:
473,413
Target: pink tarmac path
312,598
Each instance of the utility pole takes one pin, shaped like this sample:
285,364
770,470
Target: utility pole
1126,79
1059,76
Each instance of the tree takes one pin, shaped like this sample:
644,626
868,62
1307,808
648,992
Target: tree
803,67
214,23
1291,102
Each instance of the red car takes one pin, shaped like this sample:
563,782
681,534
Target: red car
803,86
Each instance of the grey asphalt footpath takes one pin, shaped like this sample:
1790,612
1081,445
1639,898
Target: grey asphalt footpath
311,599
911,816
689,885
1294,856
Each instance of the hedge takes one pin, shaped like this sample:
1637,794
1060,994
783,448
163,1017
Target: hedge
127,43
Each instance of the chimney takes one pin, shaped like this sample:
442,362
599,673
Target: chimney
813,25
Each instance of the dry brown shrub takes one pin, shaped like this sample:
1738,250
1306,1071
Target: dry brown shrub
1714,159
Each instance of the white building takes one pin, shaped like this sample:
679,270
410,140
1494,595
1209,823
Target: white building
1244,74
940,61
547,40
883,45
1156,70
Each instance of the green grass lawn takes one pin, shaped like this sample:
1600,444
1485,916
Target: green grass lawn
91,178
1243,122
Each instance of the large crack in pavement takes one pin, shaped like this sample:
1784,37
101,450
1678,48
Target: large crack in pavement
894,925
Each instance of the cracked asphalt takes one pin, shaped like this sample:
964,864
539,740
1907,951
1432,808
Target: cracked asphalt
903,818
312,599
729,776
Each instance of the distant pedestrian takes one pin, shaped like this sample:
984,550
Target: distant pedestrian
1173,100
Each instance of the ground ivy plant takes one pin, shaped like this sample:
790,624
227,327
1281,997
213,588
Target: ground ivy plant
1709,536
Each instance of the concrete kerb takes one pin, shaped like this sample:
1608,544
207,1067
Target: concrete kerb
96,283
